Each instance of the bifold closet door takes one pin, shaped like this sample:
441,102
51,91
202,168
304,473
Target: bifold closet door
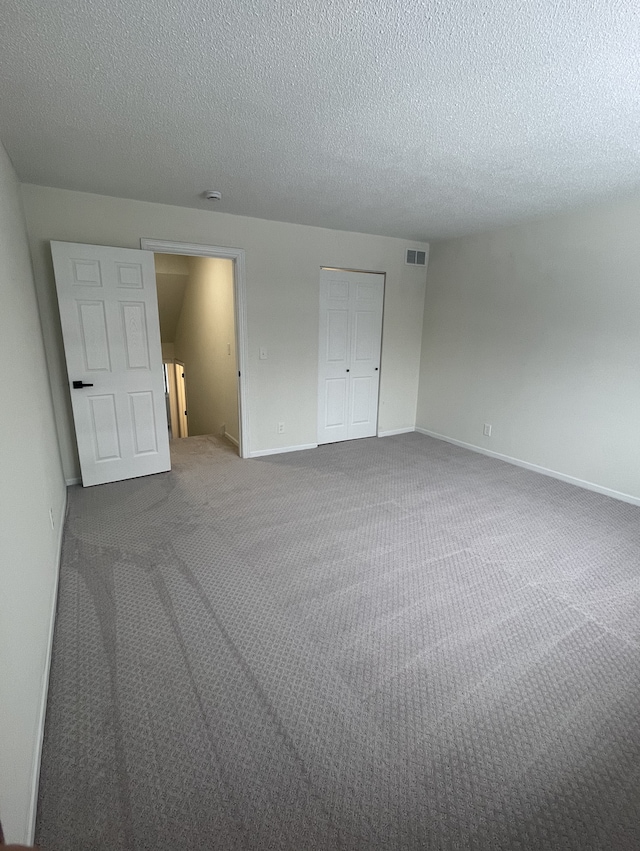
349,354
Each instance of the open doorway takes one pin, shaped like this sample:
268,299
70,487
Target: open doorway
198,310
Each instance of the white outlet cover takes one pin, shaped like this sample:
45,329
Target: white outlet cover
263,353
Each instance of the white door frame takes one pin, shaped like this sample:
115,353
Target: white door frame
193,249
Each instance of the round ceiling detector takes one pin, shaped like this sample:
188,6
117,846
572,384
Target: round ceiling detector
212,195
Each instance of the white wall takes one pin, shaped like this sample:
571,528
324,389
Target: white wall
31,484
205,344
535,329
283,268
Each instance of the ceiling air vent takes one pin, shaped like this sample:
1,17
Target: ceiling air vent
415,257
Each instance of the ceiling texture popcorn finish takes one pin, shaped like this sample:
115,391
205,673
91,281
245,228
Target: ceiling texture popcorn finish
413,119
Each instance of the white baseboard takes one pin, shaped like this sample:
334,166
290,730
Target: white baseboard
396,431
42,709
77,481
536,468
232,439
259,453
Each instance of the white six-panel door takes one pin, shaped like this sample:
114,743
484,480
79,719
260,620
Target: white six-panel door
109,314
349,355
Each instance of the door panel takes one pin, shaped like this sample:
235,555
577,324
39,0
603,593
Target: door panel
93,336
104,425
360,400
109,317
143,421
338,290
86,272
335,403
130,275
134,322
365,346
337,336
350,340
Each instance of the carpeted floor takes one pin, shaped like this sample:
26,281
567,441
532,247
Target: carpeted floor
383,644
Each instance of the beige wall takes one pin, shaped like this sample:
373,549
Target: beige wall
283,268
168,351
205,344
31,485
536,330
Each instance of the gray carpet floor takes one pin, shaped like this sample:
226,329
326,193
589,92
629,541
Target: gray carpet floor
383,644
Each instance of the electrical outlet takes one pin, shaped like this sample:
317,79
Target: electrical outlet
53,525
280,428
263,353
487,430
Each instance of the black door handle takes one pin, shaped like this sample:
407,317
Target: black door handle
78,384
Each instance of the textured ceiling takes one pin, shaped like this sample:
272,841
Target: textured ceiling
412,119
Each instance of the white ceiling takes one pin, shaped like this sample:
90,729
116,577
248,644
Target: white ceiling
400,117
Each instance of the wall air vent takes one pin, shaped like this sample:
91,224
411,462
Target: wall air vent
415,257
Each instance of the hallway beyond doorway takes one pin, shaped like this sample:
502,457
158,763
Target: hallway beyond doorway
196,305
